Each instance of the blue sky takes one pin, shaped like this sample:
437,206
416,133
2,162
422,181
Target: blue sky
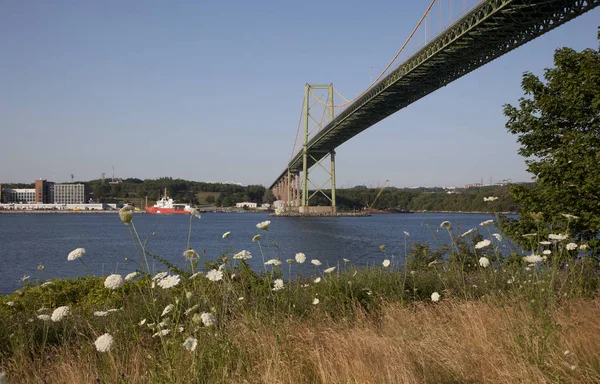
212,91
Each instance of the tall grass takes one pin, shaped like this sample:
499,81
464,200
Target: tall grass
501,319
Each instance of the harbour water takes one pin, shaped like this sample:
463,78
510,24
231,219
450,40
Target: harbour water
30,240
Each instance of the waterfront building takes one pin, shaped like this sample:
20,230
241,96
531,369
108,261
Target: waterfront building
246,204
69,193
18,195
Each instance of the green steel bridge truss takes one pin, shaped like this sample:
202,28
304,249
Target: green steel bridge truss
488,31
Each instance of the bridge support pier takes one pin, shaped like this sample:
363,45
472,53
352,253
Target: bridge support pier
306,196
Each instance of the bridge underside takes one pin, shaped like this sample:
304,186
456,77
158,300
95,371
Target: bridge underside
490,30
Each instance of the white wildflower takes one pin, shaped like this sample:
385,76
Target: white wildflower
188,295
143,322
100,313
570,217
571,246
47,284
530,235
386,263
315,262
317,280
104,342
256,238
190,254
60,313
469,231
533,258
191,309
435,297
114,281
545,242
162,332
484,262
75,254
264,225
190,344
446,225
583,247
169,281
10,303
195,275
547,252
278,285
226,235
497,236
273,262
40,267
214,275
487,223
160,276
316,301
482,244
194,212
167,309
329,270
126,214
242,255
558,237
406,234
131,276
491,198
44,317
209,319
25,277
300,257
346,260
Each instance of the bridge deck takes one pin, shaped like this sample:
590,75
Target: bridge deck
490,30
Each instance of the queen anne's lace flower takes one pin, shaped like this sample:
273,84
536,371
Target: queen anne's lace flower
162,332
329,270
226,235
278,285
256,238
131,276
75,254
114,281
469,231
100,313
558,237
104,342
386,263
300,257
214,275
484,262
60,313
315,262
446,225
273,262
316,301
209,319
487,223
190,254
126,214
190,344
317,280
482,244
571,246
264,225
44,317
169,281
435,297
242,255
533,258
167,310
497,236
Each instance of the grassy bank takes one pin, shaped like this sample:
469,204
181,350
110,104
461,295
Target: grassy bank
465,313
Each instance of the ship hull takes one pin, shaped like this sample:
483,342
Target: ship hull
166,211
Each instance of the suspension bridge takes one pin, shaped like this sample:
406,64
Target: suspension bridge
486,31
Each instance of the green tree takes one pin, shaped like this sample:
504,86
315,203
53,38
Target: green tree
558,128
210,199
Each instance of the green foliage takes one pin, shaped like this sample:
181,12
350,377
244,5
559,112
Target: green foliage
558,127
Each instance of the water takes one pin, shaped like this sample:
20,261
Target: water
29,240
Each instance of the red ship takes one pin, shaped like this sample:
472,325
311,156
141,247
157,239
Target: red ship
166,206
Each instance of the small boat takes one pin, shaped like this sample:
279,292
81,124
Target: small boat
166,206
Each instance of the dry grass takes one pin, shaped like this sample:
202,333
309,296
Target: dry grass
450,342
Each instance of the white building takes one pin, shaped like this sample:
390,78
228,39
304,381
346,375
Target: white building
246,204
20,195
69,194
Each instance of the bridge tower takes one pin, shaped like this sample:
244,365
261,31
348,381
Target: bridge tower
303,178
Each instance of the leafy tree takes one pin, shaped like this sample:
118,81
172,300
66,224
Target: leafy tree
210,199
558,127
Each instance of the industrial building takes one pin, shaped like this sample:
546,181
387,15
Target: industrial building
46,192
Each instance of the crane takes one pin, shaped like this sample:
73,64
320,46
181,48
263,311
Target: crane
370,206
